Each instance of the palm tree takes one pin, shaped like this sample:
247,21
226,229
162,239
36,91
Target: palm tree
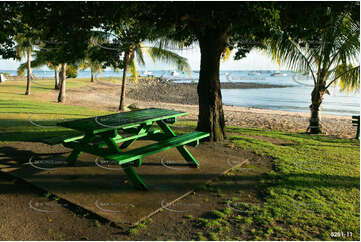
158,52
95,67
331,60
25,47
134,50
62,87
40,61
56,75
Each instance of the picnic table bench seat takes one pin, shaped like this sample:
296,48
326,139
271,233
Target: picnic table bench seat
120,138
60,139
138,153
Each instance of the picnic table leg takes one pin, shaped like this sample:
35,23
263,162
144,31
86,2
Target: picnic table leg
134,177
74,155
182,149
143,129
111,144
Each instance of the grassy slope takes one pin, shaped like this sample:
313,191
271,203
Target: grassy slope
312,191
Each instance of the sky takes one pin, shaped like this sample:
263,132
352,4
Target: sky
255,60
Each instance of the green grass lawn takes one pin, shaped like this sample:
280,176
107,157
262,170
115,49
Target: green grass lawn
314,187
24,119
312,192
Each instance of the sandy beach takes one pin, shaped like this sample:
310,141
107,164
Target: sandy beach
183,97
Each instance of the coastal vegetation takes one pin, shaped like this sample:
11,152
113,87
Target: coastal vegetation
330,55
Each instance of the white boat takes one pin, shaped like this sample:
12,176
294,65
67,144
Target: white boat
174,73
2,77
147,73
278,73
227,76
254,73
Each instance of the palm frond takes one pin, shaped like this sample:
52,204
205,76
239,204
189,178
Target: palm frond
133,70
84,64
346,47
34,63
23,44
166,43
138,49
285,51
347,77
170,57
148,51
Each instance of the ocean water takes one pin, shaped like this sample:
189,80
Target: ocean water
295,97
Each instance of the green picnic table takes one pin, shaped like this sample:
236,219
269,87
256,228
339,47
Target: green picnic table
107,136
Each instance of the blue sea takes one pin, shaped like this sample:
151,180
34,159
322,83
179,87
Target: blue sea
294,97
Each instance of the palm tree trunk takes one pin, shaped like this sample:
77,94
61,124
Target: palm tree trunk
56,75
316,101
122,95
92,75
28,80
62,96
211,116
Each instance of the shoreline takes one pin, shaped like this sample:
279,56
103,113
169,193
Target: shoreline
158,84
186,93
284,112
333,125
102,97
236,85
106,96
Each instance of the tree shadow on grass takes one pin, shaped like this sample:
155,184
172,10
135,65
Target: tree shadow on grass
32,132
34,136
319,180
321,138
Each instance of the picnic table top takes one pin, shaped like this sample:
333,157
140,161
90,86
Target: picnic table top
120,120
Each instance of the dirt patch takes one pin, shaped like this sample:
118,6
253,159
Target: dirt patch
20,219
24,204
182,220
105,190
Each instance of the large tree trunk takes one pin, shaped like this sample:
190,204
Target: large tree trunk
56,77
211,116
62,96
316,101
126,59
28,79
